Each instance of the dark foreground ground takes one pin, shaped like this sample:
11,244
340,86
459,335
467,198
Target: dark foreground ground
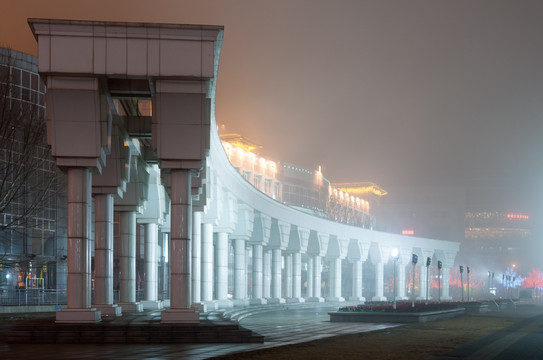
510,334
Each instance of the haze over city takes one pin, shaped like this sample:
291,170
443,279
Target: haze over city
416,95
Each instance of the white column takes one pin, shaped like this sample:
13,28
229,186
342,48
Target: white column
317,270
379,284
357,281
196,256
207,262
310,278
276,277
257,275
422,283
103,252
127,262
401,283
296,278
445,284
266,293
150,291
79,254
335,280
288,276
240,276
221,267
180,253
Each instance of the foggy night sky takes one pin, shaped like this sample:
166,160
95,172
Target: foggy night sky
401,93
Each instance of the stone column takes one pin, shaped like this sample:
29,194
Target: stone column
103,256
357,282
150,287
296,279
288,276
196,256
276,278
221,271
257,276
422,283
79,254
317,269
266,293
310,278
207,262
400,295
240,275
379,285
445,284
335,280
127,263
181,228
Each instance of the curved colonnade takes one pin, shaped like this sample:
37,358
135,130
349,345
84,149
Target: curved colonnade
131,121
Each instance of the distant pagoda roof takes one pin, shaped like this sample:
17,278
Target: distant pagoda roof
360,188
241,142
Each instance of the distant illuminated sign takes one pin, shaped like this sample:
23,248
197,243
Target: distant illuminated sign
518,216
408,232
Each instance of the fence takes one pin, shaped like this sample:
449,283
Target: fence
39,296
33,297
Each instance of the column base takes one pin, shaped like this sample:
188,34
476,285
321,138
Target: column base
259,301
446,298
335,299
378,298
180,316
109,310
78,316
204,306
402,298
295,300
360,299
315,299
152,304
274,301
240,302
131,307
224,304
423,298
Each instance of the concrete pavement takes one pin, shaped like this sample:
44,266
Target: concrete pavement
282,326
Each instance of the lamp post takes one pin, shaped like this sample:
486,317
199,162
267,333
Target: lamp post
414,260
489,286
467,275
462,281
439,266
428,262
395,255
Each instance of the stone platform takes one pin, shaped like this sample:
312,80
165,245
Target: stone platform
138,328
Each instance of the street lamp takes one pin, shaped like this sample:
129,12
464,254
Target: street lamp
428,262
439,266
462,281
395,256
489,285
414,260
467,267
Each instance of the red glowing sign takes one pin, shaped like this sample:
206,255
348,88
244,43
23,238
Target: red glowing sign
518,216
408,232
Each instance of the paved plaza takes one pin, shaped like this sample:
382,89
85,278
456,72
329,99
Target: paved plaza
288,325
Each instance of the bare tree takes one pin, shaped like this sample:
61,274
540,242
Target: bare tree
28,175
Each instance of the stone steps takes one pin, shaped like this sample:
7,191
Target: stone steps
43,333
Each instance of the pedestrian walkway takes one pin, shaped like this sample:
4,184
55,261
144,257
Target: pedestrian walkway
282,326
